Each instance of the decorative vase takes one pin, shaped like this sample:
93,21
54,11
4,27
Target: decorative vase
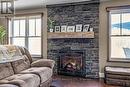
51,30
91,29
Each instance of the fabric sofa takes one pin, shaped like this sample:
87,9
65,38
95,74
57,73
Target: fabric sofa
17,69
117,76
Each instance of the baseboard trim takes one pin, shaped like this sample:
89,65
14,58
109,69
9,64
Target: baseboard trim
101,75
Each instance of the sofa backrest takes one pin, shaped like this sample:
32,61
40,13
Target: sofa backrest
21,64
24,51
14,51
19,57
10,51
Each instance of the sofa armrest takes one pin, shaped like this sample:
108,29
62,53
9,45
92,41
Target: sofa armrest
43,63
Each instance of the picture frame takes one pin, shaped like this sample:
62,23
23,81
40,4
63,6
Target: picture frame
86,28
57,28
63,28
79,28
71,29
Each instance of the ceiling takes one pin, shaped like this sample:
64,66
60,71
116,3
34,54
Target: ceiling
26,4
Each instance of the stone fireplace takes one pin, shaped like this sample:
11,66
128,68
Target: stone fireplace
71,15
71,62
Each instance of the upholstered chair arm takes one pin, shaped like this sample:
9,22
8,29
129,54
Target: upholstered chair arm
43,63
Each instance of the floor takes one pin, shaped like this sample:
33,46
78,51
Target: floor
67,81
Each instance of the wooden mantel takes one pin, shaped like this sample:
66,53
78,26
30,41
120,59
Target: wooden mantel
54,35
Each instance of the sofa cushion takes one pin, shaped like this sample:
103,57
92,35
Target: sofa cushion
9,51
13,50
8,85
43,63
117,76
23,80
21,64
120,82
3,52
5,70
24,51
118,70
44,73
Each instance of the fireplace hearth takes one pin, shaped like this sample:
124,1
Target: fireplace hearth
71,62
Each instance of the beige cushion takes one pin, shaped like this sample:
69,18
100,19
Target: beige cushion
8,85
6,70
118,76
121,82
13,50
118,70
45,73
21,64
24,51
4,52
43,63
23,80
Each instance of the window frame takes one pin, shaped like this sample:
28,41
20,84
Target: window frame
26,18
109,59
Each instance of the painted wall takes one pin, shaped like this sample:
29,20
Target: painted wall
103,33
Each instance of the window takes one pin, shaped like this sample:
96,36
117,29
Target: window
26,32
119,35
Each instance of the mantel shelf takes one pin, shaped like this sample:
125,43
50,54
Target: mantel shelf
54,35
